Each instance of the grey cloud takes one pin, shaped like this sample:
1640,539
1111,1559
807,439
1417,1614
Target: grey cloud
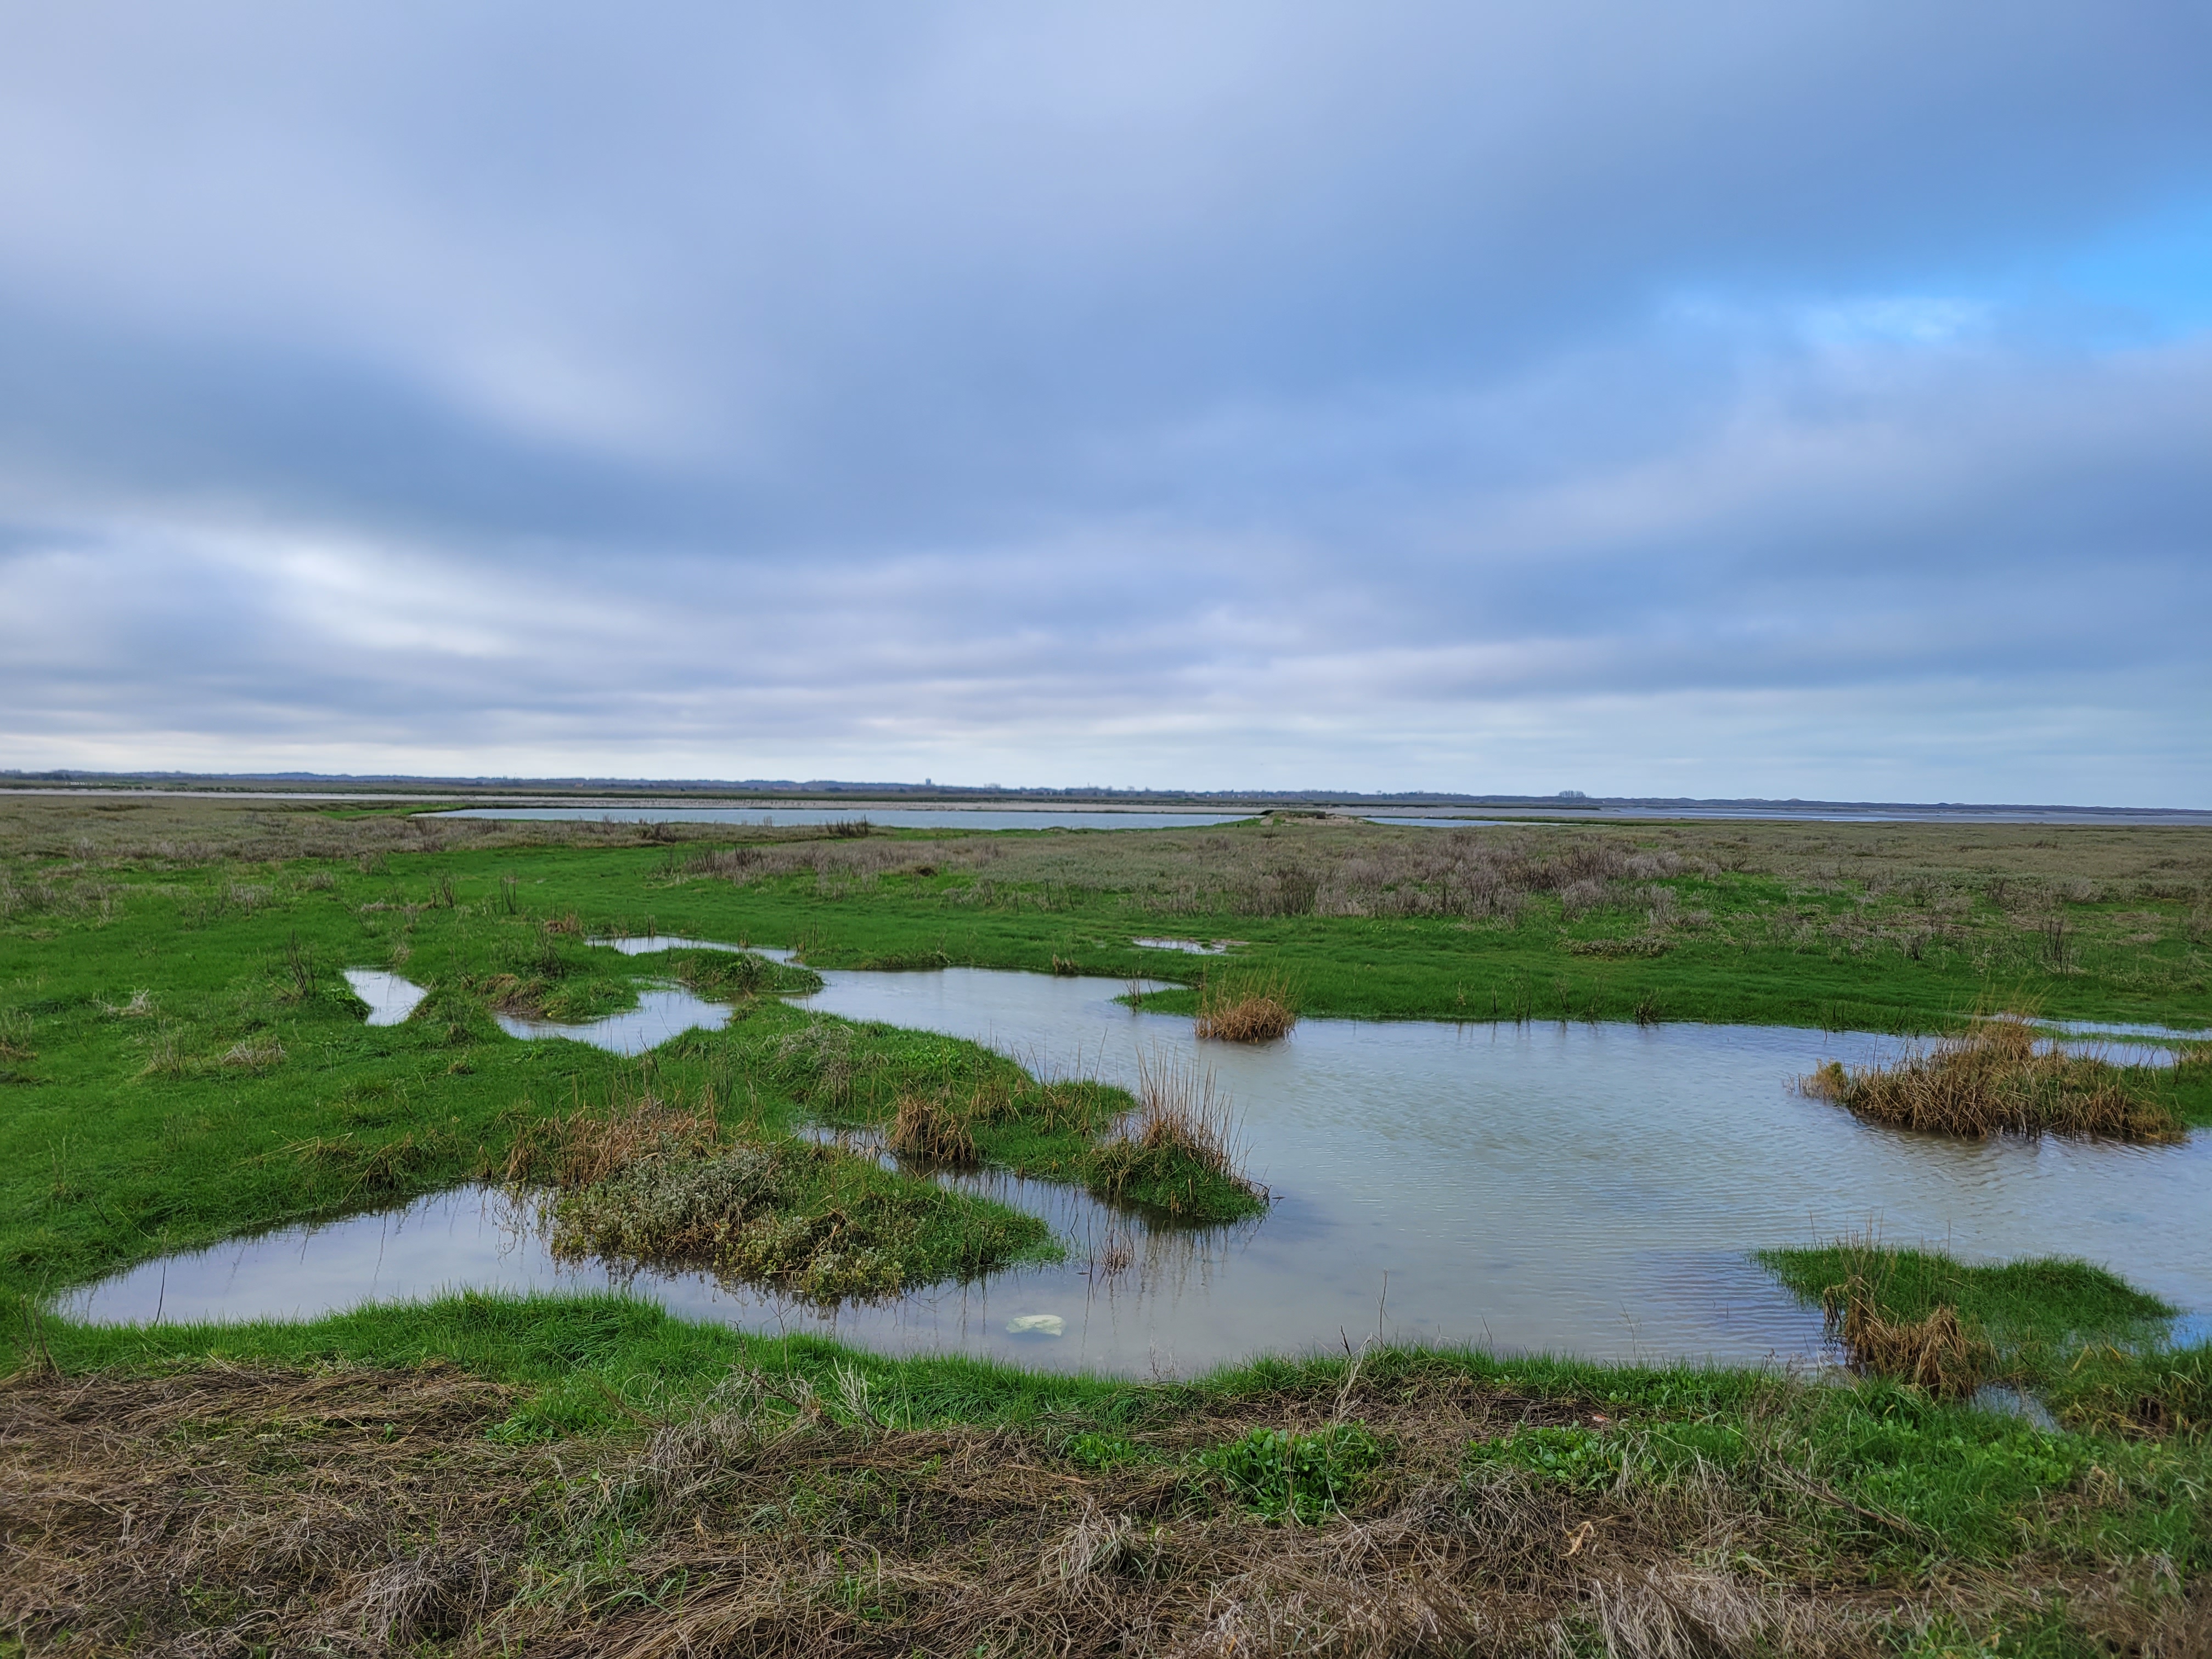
876,390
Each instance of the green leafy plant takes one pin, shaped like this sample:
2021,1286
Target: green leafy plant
1286,1474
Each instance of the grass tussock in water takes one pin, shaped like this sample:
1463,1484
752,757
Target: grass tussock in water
1245,1008
1937,1351
1994,1080
648,1181
1179,1150
928,1131
2093,1348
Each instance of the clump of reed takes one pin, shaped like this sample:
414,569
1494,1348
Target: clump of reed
1938,1351
1996,1080
1244,1008
1178,1151
586,1144
927,1130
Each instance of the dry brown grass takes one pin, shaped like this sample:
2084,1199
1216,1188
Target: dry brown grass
929,1131
1994,1080
588,1143
1937,1352
363,1511
1246,1009
1180,1109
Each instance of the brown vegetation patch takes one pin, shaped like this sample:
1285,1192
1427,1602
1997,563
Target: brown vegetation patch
364,1510
929,1131
1245,1009
1180,1114
1617,947
1937,1352
587,1144
1994,1080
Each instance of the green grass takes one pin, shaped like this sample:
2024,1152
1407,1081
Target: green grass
2092,1346
2048,1303
1940,1481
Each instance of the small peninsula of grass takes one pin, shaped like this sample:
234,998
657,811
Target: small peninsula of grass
2090,1344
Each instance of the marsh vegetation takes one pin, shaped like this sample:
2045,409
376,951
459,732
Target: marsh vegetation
181,1062
1999,1078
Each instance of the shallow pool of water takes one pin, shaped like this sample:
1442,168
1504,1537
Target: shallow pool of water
1582,1188
662,1012
390,998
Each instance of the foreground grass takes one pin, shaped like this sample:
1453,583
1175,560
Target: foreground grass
588,1474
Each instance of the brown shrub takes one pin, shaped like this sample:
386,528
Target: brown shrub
929,1131
588,1143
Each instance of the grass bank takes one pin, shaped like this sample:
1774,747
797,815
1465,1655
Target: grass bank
586,1474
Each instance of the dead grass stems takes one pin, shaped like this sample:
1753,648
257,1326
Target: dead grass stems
1247,1008
361,1510
1937,1352
1996,1078
927,1130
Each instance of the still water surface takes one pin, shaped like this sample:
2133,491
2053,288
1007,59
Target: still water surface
882,818
1583,1187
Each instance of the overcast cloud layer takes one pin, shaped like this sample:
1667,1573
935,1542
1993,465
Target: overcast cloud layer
1713,399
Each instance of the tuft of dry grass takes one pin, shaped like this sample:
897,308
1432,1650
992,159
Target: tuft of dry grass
1996,1080
1180,1107
929,1131
1937,1352
1179,1149
255,1054
586,1145
1247,1010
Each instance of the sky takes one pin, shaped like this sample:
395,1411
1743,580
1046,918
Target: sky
1712,399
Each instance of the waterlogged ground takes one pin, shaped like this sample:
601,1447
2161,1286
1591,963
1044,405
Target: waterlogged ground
1591,1189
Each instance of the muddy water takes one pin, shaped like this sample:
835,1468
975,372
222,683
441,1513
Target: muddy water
1590,1188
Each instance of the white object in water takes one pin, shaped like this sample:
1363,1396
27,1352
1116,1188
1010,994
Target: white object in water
1036,1324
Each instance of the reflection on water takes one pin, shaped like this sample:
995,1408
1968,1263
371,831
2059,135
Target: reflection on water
390,998
1211,947
646,945
662,1012
1583,1187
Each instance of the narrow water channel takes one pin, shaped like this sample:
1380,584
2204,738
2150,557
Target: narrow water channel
1585,1188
